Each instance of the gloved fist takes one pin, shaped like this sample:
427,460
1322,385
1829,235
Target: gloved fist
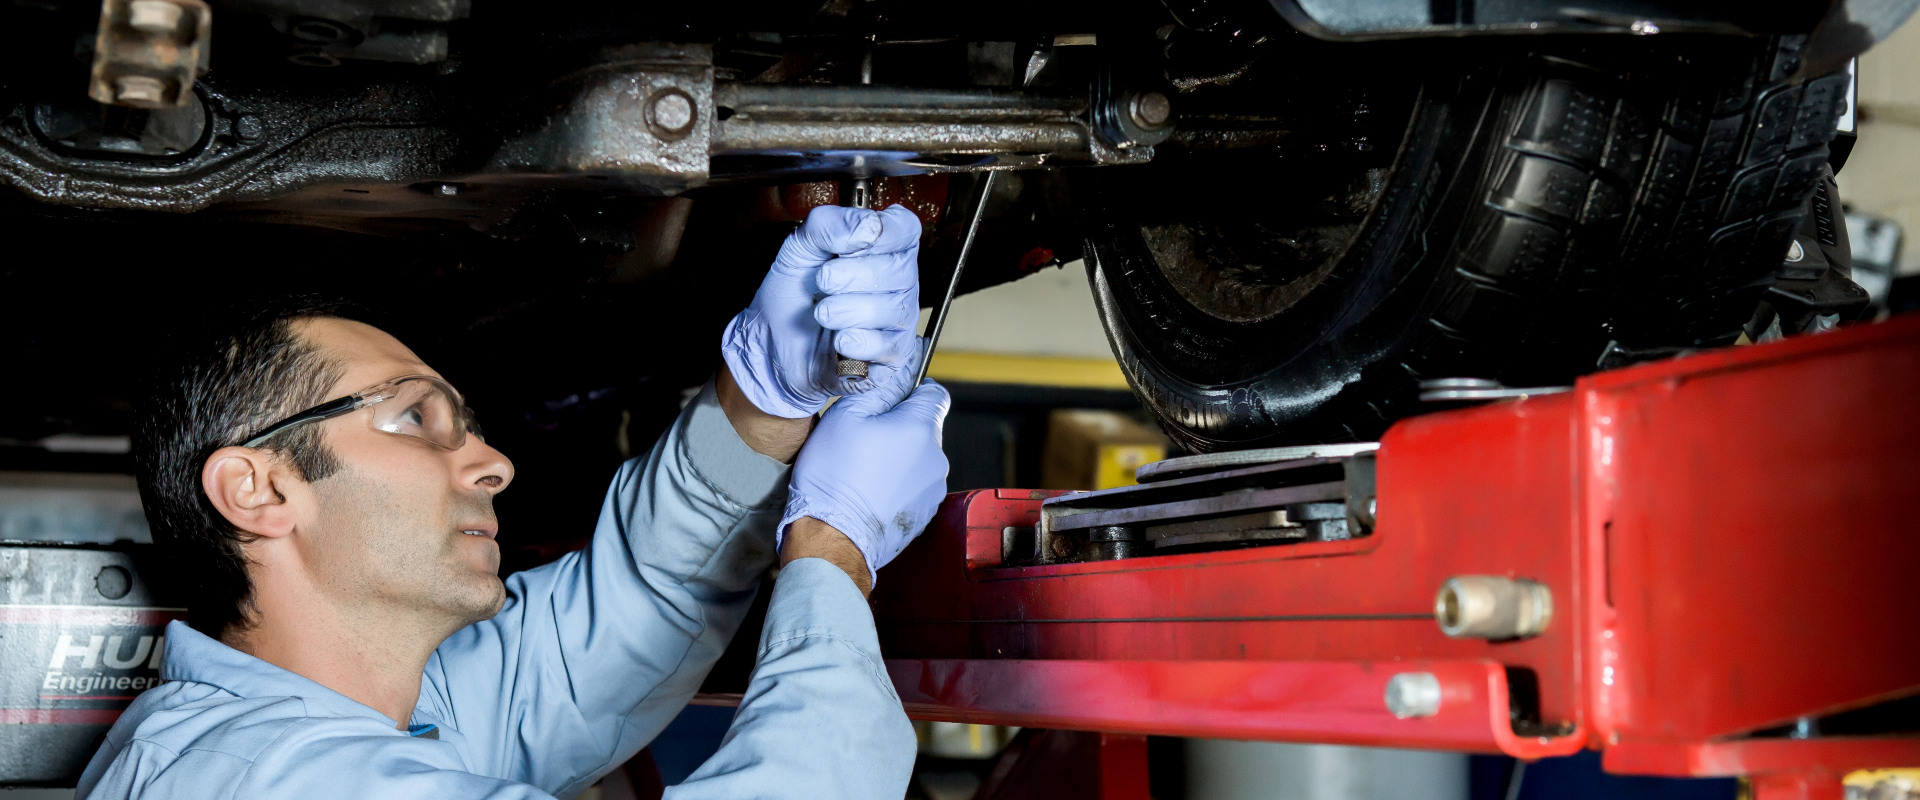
847,281
873,469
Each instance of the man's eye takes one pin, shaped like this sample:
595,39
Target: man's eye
413,416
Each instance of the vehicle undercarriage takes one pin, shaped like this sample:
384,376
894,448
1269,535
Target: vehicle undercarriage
1292,213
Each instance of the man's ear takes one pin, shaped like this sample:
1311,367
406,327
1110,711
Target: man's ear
243,484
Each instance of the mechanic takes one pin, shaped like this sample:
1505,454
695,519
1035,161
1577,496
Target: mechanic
351,637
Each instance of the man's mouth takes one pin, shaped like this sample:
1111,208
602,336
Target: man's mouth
486,532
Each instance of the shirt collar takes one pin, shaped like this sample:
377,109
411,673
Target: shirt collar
194,656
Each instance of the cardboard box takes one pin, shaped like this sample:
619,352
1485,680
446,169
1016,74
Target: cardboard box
1089,449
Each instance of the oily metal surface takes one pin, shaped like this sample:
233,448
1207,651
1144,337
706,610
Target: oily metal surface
1214,462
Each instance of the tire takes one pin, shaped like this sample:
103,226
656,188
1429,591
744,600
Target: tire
1538,207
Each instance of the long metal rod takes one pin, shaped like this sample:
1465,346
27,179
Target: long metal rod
1056,137
1035,62
939,319
891,103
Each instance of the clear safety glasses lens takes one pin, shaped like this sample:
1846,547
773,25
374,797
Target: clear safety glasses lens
421,407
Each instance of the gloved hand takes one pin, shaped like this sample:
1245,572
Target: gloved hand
873,469
863,269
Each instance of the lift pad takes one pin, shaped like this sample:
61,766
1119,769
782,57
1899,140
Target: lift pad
1714,550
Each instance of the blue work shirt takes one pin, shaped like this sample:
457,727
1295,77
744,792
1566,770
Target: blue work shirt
589,659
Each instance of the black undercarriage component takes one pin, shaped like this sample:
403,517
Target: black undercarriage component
654,122
1403,19
1275,221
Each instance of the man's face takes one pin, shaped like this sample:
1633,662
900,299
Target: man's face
393,527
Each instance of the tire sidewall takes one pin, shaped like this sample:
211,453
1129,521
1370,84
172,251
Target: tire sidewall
1339,331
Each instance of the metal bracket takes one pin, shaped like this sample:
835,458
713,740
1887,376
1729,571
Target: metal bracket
646,123
1299,500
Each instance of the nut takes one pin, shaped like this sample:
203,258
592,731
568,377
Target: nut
1150,109
670,113
1492,607
139,90
1413,694
157,17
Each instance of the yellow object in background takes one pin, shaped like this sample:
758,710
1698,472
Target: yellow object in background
961,740
1059,371
1872,784
1117,463
1091,449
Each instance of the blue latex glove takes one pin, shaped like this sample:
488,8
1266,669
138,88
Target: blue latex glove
847,281
873,468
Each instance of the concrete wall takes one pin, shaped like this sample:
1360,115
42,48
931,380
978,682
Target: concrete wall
1048,313
1882,176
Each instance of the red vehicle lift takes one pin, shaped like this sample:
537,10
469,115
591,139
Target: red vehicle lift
1728,541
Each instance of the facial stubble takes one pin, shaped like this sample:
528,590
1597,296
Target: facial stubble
397,548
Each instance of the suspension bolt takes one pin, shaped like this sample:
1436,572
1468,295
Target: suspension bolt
670,114
157,17
139,90
1150,109
1492,607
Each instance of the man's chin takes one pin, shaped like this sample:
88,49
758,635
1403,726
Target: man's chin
497,600
481,597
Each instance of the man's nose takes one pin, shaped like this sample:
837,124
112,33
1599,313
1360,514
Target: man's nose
486,467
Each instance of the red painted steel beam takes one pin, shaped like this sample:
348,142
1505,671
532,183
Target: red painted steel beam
1333,702
1838,755
1749,518
1727,539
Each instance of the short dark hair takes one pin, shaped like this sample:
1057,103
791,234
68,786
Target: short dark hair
237,373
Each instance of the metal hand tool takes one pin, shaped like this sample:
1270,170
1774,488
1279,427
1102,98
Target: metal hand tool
863,198
939,319
1036,61
862,190
848,368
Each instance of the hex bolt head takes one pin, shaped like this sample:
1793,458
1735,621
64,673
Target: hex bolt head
670,113
139,90
156,17
113,582
1150,109
1492,607
1413,694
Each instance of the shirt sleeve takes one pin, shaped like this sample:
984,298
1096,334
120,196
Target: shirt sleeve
305,757
595,653
820,717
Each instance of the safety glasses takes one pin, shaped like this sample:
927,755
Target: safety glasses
420,406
